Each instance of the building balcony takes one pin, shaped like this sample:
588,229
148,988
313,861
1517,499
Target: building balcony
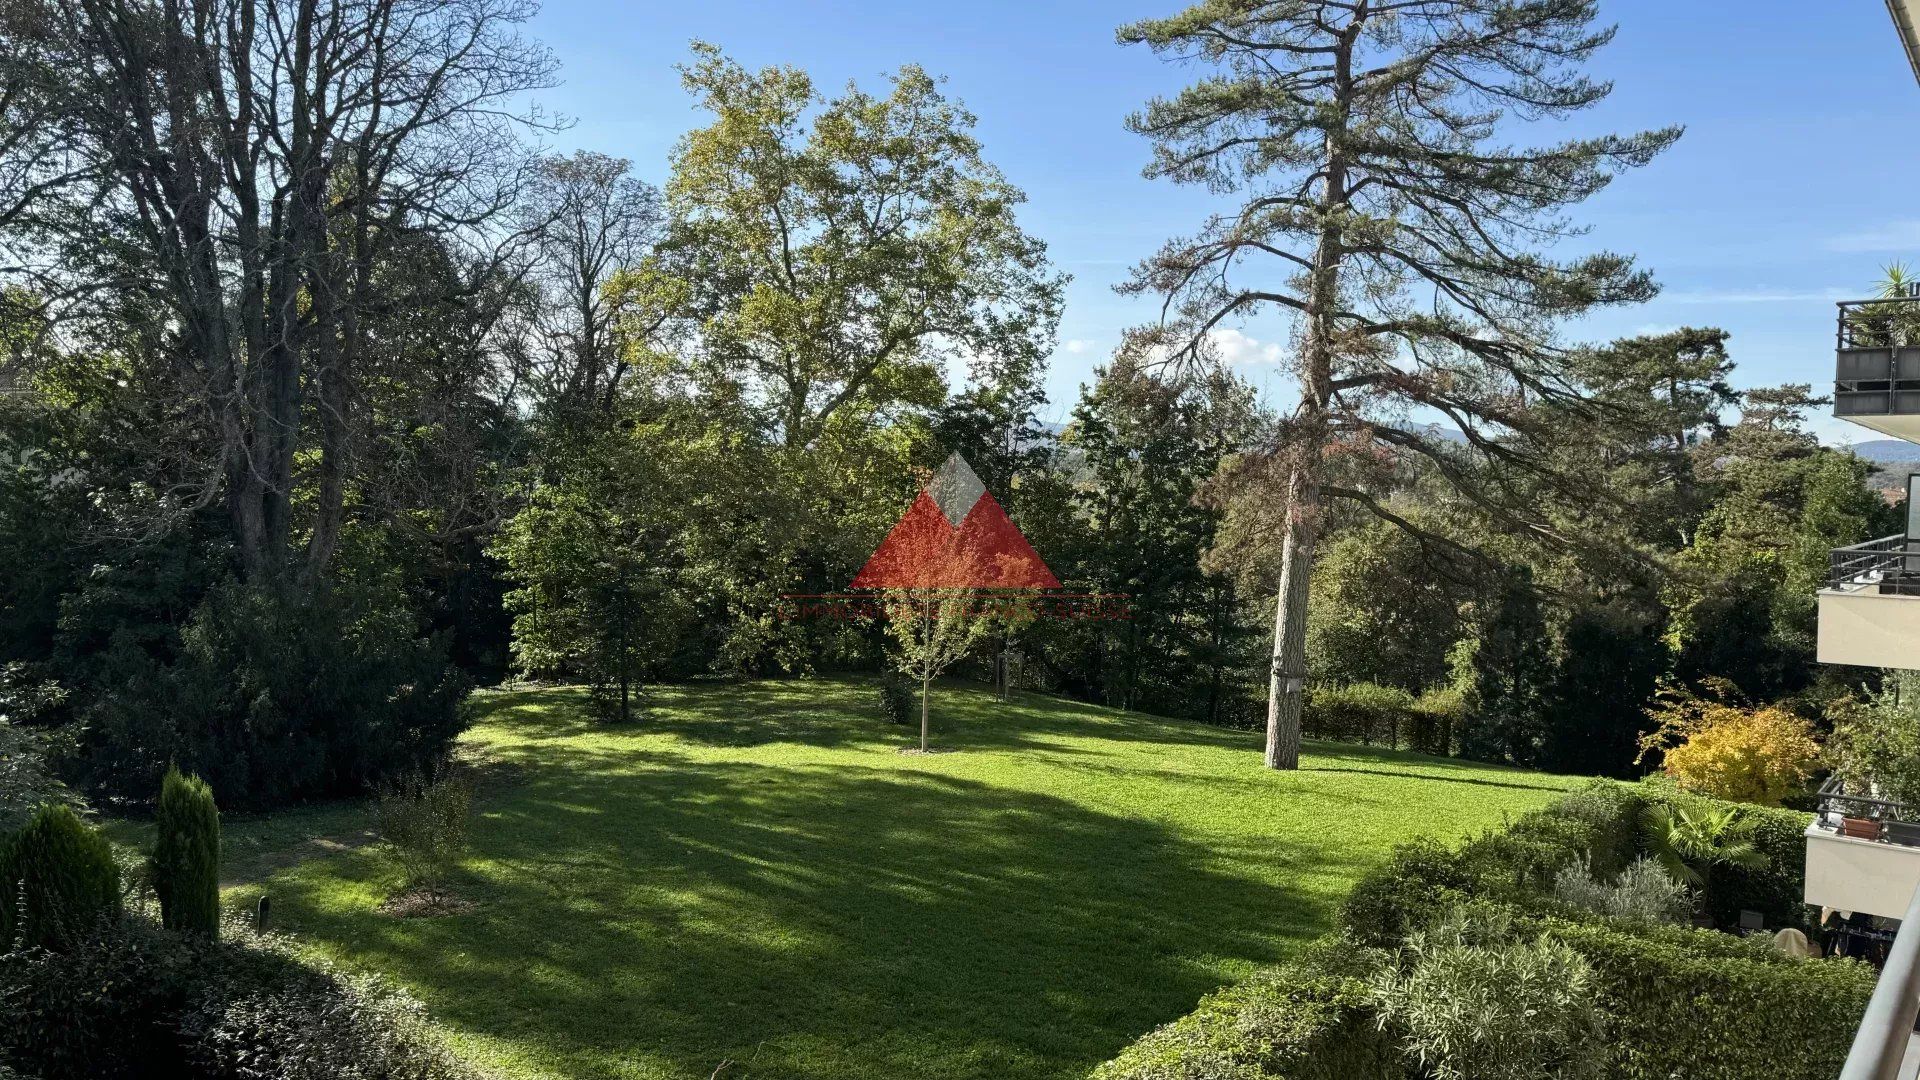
1863,853
1876,379
1870,607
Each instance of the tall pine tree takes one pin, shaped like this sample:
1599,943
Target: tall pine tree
1385,212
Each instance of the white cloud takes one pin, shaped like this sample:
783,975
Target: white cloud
1236,347
1895,236
1076,346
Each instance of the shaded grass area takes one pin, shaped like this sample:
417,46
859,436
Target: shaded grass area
755,875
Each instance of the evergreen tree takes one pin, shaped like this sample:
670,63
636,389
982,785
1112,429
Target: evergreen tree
186,855
1506,671
1611,660
1387,213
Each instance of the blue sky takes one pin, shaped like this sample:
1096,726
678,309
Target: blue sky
1794,183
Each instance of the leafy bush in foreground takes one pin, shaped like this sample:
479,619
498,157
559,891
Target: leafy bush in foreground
134,1000
1478,999
1710,1006
1308,1020
1678,1001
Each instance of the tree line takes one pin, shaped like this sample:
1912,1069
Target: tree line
331,394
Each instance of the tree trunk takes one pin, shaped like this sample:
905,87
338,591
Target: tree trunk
924,690
1287,678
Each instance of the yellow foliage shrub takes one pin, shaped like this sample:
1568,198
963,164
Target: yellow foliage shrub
1732,752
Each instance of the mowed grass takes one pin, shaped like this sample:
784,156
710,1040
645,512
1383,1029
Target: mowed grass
755,875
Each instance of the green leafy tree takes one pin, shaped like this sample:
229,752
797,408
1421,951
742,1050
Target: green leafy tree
1139,454
1611,661
1742,594
931,630
1388,215
1377,615
846,250
186,855
600,561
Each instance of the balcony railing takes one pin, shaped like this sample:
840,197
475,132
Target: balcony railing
1886,1030
1877,357
1891,564
1866,817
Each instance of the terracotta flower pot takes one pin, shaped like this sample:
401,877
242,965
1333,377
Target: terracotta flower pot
1860,828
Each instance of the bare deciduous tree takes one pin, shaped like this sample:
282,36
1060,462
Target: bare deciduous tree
250,164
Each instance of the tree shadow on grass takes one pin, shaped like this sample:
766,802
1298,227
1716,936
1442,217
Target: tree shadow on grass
845,713
1403,774
656,918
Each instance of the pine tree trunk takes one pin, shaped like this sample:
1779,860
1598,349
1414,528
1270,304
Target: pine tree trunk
1287,681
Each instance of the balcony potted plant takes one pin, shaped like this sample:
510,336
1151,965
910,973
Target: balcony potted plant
1860,828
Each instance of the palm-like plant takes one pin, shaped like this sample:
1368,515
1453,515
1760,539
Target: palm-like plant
1688,843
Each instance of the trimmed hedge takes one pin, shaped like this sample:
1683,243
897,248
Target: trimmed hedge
1370,713
1686,1003
1307,1020
1708,1006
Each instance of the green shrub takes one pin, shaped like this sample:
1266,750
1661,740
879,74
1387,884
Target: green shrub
57,880
269,697
98,1008
1359,712
1774,887
186,855
1478,1000
898,698
1307,1020
133,999
26,780
1438,716
1418,882
1608,823
1643,893
424,819
1709,1006
1777,890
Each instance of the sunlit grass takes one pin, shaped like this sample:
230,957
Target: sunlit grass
755,875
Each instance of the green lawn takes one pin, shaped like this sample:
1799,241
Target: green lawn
755,875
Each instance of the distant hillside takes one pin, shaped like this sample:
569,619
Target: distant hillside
1888,451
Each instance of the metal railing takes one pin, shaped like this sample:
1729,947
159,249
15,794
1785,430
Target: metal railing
1834,805
1880,1043
1889,322
1872,563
